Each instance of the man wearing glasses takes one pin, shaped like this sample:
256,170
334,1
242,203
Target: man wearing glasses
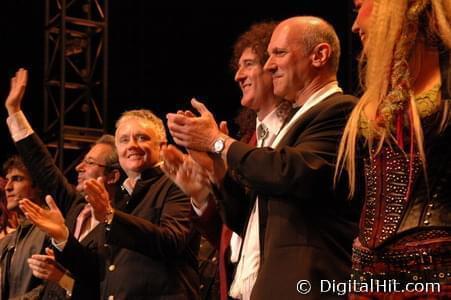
100,161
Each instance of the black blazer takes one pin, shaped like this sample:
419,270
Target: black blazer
306,227
51,181
148,253
150,248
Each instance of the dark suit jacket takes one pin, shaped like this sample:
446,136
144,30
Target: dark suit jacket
306,227
211,227
150,249
16,278
51,181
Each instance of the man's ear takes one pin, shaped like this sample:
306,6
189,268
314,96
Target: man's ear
113,177
321,54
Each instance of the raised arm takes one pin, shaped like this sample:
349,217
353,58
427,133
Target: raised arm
34,153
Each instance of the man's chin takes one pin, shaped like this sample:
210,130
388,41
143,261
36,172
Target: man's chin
247,102
79,188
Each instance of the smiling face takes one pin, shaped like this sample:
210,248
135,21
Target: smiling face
93,164
289,64
137,145
255,83
363,19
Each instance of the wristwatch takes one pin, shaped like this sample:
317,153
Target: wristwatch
219,145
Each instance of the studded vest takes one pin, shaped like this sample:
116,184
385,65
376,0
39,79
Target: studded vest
392,209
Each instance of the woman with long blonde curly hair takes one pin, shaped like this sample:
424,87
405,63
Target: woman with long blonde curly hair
401,130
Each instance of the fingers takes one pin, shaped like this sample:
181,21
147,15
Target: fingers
176,125
13,83
49,252
42,259
186,113
51,203
173,158
173,155
189,114
101,181
28,207
94,187
22,77
200,107
98,197
223,127
179,139
177,119
41,266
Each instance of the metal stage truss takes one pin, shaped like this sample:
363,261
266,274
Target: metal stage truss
75,76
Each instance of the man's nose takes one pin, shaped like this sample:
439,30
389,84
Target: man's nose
355,26
9,186
270,66
79,167
239,75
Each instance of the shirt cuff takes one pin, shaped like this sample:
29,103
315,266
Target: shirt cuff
199,210
60,246
67,283
18,126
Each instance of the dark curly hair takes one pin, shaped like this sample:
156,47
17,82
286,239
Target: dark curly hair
257,38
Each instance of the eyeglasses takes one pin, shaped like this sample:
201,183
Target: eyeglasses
91,162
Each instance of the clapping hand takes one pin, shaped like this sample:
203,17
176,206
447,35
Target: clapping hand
51,221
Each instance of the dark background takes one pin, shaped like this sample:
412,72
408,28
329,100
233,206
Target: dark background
160,56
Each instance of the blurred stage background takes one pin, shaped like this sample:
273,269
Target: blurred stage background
160,54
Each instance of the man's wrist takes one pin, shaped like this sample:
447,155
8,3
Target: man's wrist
18,126
109,216
218,144
63,237
221,145
12,110
60,242
200,199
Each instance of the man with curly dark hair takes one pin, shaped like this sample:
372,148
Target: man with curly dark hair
17,280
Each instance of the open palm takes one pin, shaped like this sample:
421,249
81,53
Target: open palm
49,220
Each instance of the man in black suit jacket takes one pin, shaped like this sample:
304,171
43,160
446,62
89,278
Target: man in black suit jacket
305,227
100,161
150,248
150,233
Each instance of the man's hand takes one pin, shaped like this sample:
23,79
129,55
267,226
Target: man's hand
98,197
188,175
214,166
198,133
51,221
16,92
45,267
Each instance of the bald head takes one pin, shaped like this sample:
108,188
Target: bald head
310,31
304,54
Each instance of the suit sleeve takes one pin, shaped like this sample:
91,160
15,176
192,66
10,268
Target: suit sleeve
234,203
292,169
168,237
45,173
82,261
209,224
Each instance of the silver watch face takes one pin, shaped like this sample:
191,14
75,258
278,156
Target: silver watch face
218,146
